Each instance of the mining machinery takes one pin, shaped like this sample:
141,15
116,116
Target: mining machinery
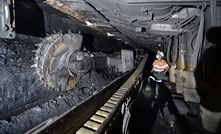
185,30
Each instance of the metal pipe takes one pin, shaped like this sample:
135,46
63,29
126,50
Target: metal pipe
213,12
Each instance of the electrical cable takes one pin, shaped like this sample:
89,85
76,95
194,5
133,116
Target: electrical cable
187,21
169,50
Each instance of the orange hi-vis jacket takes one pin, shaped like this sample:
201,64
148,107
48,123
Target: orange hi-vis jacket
160,65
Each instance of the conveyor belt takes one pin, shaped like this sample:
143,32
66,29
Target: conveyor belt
100,121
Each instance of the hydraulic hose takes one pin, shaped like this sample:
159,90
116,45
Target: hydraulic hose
169,51
199,40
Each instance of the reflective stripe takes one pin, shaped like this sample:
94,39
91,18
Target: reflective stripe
158,66
155,79
158,70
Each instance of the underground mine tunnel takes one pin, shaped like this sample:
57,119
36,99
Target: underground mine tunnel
85,66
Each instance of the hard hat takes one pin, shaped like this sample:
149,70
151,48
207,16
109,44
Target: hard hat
159,53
